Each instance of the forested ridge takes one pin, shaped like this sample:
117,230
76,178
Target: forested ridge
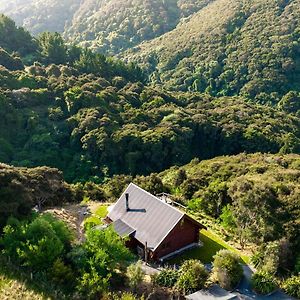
229,47
108,26
93,116
217,126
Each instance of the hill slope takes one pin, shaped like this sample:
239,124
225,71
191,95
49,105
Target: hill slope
40,15
261,191
230,47
109,26
91,117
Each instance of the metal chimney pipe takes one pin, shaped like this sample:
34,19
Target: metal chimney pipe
127,201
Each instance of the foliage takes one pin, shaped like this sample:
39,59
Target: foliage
227,269
192,276
62,274
105,26
53,48
227,218
297,264
14,38
166,278
229,48
98,259
36,244
21,189
274,257
292,286
260,197
135,275
263,282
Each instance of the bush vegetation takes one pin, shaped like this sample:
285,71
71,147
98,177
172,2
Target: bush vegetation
292,286
227,269
263,282
192,276
44,246
166,278
230,48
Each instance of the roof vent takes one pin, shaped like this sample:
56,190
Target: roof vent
127,201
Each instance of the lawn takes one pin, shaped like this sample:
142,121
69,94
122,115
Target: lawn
98,213
101,211
211,245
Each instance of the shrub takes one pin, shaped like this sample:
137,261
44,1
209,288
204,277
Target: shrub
192,276
62,273
166,278
135,275
36,243
227,269
292,286
263,282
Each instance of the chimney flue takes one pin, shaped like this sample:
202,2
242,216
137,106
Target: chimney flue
127,201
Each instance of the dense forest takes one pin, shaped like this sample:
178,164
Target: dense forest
215,124
109,26
220,47
93,116
229,47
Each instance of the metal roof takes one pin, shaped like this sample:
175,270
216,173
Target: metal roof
122,228
215,292
151,218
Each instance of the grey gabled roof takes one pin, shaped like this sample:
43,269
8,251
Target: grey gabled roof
151,218
122,228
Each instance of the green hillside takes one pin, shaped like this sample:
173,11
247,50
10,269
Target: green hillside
109,26
202,102
227,48
92,117
254,197
40,15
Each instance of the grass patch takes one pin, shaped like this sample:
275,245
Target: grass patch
211,245
93,220
101,211
97,215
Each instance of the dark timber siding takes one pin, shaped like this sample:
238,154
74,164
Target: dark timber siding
183,234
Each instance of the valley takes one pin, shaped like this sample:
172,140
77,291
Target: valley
107,104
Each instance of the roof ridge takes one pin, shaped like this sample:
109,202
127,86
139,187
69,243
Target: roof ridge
156,198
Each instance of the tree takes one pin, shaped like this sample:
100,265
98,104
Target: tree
13,38
227,269
53,48
290,102
227,218
180,177
36,244
192,276
98,260
253,209
90,62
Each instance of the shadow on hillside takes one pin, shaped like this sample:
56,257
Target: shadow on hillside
42,289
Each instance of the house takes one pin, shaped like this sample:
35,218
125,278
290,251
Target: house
154,228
